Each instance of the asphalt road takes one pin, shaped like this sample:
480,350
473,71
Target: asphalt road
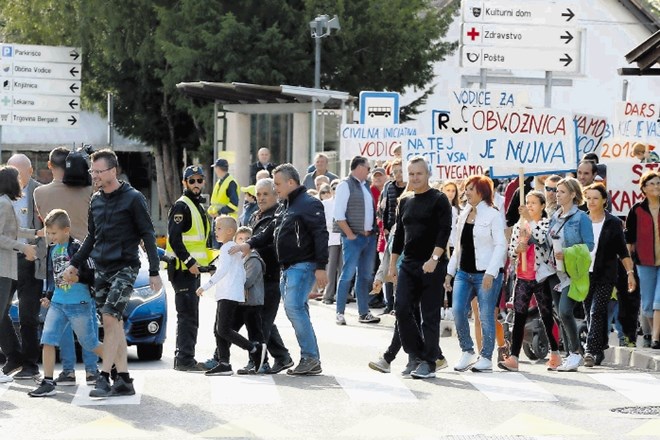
347,401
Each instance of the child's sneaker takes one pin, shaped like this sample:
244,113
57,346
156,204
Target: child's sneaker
47,388
66,378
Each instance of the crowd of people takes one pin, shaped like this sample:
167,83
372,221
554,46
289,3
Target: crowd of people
383,236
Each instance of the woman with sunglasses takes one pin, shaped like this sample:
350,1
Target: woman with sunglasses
568,227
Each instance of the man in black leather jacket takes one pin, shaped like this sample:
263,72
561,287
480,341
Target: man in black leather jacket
301,244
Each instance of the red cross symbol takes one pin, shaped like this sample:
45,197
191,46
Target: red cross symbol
473,34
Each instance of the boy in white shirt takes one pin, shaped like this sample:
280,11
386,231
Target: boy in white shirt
229,280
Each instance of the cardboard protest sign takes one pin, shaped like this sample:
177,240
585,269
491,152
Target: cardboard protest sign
510,139
372,142
623,184
633,122
589,134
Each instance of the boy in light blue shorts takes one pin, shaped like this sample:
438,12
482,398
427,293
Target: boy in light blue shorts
68,300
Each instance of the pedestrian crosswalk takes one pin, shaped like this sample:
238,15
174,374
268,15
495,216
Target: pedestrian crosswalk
367,387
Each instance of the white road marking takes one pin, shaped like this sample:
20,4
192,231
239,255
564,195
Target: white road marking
82,396
244,390
508,387
374,387
638,387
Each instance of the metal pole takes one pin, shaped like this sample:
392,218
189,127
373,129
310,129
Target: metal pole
111,119
1,144
317,85
548,89
624,90
483,79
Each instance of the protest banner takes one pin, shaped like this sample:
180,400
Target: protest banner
633,122
447,156
508,140
373,142
589,133
623,184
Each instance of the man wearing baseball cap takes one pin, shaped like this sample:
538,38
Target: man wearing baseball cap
188,230
224,199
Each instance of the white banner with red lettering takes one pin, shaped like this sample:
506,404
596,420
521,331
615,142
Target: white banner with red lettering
623,184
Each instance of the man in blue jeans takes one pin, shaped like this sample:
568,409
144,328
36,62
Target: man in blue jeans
355,217
301,242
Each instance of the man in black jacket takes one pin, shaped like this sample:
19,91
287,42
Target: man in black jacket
301,243
262,164
260,220
188,230
118,220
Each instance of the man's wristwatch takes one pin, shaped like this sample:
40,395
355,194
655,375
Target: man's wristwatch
435,257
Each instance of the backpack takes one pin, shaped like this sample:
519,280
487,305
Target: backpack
76,171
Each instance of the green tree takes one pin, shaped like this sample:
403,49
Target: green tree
140,49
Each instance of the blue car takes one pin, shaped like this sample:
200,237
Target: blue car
145,317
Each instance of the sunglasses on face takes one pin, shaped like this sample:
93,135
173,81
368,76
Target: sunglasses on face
551,189
325,192
192,181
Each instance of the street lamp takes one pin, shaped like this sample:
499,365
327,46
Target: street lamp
320,27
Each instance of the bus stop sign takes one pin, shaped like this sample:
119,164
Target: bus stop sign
379,108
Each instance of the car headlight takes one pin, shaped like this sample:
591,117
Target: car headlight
145,293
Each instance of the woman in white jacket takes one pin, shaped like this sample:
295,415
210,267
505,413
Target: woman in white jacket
479,252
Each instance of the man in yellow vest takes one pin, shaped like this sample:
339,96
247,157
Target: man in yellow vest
188,230
224,199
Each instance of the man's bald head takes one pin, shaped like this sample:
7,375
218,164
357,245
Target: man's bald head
24,166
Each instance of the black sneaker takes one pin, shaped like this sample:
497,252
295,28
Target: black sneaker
27,375
424,371
11,367
91,376
248,369
221,369
258,356
101,389
306,367
655,345
122,387
47,388
368,318
66,378
410,367
265,368
196,367
280,366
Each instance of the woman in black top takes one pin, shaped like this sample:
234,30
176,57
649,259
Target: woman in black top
609,247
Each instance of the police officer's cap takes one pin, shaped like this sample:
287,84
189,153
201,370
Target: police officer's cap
192,170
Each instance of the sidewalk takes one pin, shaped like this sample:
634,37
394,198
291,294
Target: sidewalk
639,358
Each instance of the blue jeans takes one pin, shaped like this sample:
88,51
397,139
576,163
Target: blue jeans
68,349
466,287
359,259
295,284
649,287
76,316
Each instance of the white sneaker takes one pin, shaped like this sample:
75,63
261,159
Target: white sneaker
482,365
5,379
449,315
340,319
571,363
466,361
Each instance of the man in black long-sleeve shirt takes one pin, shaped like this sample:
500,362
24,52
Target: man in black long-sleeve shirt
423,226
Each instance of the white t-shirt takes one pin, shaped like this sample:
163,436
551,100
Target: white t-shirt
229,279
598,228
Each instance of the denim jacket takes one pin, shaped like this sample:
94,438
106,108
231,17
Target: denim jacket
578,228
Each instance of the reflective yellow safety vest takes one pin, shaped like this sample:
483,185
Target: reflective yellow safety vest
195,238
219,198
